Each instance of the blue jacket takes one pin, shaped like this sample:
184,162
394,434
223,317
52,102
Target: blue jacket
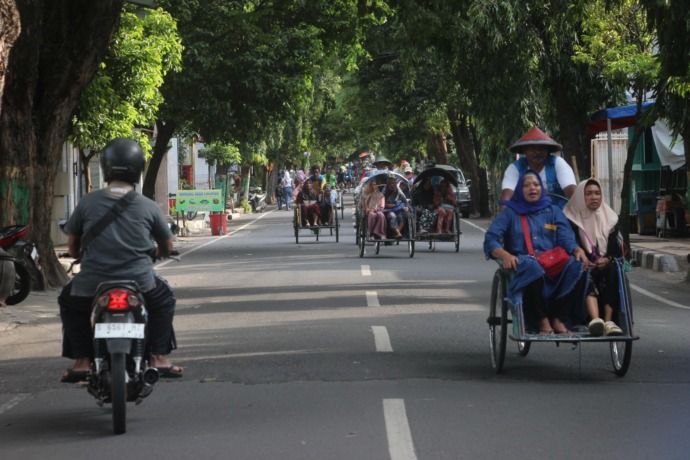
548,228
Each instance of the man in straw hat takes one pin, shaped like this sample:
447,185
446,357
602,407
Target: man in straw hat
382,163
535,149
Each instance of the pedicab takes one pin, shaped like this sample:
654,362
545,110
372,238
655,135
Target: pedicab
363,238
437,174
508,321
330,226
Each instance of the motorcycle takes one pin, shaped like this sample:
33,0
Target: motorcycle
257,199
119,371
27,263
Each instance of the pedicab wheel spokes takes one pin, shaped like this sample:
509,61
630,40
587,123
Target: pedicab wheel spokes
296,223
410,248
361,235
378,248
118,392
498,322
621,353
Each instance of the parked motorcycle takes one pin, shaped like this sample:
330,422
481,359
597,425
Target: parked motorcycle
257,199
27,264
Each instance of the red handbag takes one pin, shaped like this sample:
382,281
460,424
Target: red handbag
552,261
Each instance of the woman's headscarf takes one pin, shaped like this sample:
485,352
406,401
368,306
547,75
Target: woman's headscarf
519,204
371,198
594,227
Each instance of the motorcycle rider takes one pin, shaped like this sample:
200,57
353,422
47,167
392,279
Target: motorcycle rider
121,251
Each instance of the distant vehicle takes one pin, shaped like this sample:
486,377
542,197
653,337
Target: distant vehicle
463,191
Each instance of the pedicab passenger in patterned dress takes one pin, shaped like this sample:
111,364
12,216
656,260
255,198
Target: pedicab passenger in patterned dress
373,203
596,227
423,200
394,207
549,305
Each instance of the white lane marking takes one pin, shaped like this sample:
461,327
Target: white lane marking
400,446
366,271
372,299
474,225
13,402
381,339
656,297
166,262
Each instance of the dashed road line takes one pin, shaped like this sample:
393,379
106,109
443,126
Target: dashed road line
366,271
400,444
382,339
372,299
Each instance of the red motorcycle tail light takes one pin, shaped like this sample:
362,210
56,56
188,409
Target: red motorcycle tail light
117,300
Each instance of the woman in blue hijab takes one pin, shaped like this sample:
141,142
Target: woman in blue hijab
548,303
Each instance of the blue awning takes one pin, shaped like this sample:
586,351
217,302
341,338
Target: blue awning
621,117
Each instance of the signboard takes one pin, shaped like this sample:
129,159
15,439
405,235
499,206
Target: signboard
200,200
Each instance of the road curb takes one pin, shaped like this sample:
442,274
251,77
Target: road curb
657,261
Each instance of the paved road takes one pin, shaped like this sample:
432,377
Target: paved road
306,351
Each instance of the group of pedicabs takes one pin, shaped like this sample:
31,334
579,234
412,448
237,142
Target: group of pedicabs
561,273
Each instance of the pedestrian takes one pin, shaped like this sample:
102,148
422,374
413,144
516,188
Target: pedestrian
286,182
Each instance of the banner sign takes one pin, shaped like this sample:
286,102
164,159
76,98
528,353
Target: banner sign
200,200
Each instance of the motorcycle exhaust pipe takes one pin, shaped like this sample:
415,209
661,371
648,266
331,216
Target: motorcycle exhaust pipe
148,379
150,376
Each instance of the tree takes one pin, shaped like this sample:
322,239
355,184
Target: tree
671,22
124,94
250,66
57,53
616,43
9,31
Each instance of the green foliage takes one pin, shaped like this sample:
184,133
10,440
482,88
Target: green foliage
617,43
125,93
246,207
221,154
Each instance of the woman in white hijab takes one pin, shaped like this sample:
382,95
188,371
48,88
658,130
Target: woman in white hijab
596,226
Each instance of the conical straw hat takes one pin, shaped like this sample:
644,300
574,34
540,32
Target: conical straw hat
535,136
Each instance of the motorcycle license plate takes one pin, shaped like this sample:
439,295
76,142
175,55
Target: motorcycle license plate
119,331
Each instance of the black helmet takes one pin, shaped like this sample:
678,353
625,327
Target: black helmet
122,159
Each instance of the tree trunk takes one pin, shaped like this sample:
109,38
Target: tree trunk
59,49
624,217
571,136
165,132
467,144
86,169
9,31
437,148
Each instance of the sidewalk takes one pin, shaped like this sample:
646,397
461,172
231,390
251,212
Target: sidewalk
660,254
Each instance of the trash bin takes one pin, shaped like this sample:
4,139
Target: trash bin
219,223
7,275
646,212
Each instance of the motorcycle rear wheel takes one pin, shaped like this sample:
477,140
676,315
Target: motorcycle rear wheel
118,392
22,285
